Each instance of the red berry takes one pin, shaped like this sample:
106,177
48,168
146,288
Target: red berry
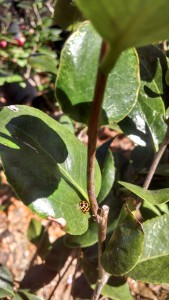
3,44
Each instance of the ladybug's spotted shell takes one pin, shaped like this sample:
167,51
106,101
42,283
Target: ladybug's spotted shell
84,206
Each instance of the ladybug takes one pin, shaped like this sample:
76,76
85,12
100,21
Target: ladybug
84,206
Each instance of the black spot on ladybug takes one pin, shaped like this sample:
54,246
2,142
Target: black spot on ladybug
84,206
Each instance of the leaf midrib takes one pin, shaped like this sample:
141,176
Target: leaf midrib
153,257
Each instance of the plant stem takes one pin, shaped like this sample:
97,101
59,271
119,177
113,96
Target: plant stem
156,160
92,132
100,215
102,275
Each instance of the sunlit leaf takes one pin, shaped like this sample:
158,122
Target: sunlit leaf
46,166
77,76
118,259
154,262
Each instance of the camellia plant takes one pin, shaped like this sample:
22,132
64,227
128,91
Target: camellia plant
107,76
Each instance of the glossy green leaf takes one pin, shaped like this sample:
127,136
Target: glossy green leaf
46,166
145,123
90,237
107,167
133,130
118,258
125,24
153,91
77,76
66,13
6,283
154,263
153,197
43,63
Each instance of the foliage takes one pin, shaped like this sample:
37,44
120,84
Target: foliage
26,45
46,164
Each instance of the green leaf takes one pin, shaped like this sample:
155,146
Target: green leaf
153,66
90,237
43,63
77,76
46,166
154,263
126,24
28,296
134,126
7,77
17,297
118,259
67,122
116,287
153,197
149,211
106,162
146,120
37,235
6,283
116,292
66,13
34,229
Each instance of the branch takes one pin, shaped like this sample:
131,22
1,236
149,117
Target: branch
100,215
92,132
156,160
102,275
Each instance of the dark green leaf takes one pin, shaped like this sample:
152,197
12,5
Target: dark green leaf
154,263
134,126
153,66
117,292
77,76
116,287
108,174
46,166
6,283
66,13
149,211
125,24
118,258
153,197
87,239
